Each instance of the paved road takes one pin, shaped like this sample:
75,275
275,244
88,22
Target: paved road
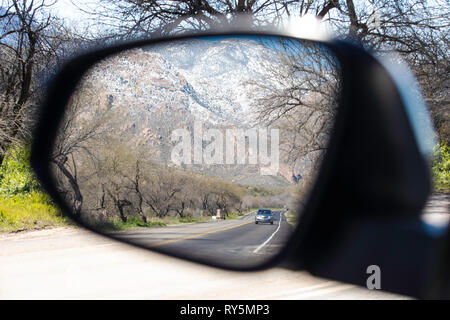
231,242
71,263
437,210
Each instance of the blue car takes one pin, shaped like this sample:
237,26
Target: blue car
264,216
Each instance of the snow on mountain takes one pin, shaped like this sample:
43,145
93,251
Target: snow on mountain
158,89
218,71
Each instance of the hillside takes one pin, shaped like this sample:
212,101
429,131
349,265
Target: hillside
156,90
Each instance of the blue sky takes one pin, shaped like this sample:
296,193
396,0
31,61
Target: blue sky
68,9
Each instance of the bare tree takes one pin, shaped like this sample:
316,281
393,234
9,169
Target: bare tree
297,92
75,143
130,18
417,29
136,185
31,39
161,188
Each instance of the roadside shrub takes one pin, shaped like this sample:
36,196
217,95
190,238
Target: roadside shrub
32,210
16,176
441,167
23,205
115,224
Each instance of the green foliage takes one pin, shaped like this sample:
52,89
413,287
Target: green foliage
236,215
441,167
259,191
188,220
16,176
33,210
23,205
132,223
291,217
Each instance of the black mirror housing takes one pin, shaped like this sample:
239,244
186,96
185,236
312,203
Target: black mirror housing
365,206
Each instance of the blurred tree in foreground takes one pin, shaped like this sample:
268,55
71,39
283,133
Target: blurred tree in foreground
417,30
33,42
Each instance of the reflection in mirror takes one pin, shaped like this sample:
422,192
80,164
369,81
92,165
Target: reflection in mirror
178,146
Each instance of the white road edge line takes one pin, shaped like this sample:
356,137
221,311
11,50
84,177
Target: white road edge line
271,236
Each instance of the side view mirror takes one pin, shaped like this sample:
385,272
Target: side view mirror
245,150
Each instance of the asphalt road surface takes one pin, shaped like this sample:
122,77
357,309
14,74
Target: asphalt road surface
71,263
236,242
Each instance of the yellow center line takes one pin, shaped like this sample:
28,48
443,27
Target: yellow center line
197,235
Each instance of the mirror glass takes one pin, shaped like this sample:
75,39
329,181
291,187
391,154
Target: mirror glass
203,147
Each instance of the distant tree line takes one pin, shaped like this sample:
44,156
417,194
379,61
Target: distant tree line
105,174
113,182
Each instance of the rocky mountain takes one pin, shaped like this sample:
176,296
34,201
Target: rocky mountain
219,70
158,89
